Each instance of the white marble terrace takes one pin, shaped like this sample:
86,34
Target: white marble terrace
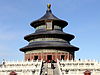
21,67
65,67
78,67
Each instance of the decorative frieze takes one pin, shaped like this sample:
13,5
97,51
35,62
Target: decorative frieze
48,39
57,27
46,51
41,27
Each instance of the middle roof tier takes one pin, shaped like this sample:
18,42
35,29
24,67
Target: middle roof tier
49,34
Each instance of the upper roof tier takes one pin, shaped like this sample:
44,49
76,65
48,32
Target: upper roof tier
49,17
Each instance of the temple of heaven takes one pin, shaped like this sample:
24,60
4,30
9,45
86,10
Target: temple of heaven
49,42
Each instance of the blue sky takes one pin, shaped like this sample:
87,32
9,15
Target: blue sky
83,17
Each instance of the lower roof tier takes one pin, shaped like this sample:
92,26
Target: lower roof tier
49,33
49,45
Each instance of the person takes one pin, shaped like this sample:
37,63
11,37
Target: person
52,65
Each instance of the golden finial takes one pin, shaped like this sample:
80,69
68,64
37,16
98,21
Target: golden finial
49,6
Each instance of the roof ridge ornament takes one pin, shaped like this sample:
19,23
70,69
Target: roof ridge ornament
49,6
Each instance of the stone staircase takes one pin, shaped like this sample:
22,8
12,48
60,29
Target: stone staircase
48,70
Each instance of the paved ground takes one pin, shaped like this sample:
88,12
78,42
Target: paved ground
56,70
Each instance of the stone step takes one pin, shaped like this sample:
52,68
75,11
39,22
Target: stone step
50,72
47,70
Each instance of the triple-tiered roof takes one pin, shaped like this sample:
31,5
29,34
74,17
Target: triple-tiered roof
53,33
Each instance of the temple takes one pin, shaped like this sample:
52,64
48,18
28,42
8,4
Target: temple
50,52
49,42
